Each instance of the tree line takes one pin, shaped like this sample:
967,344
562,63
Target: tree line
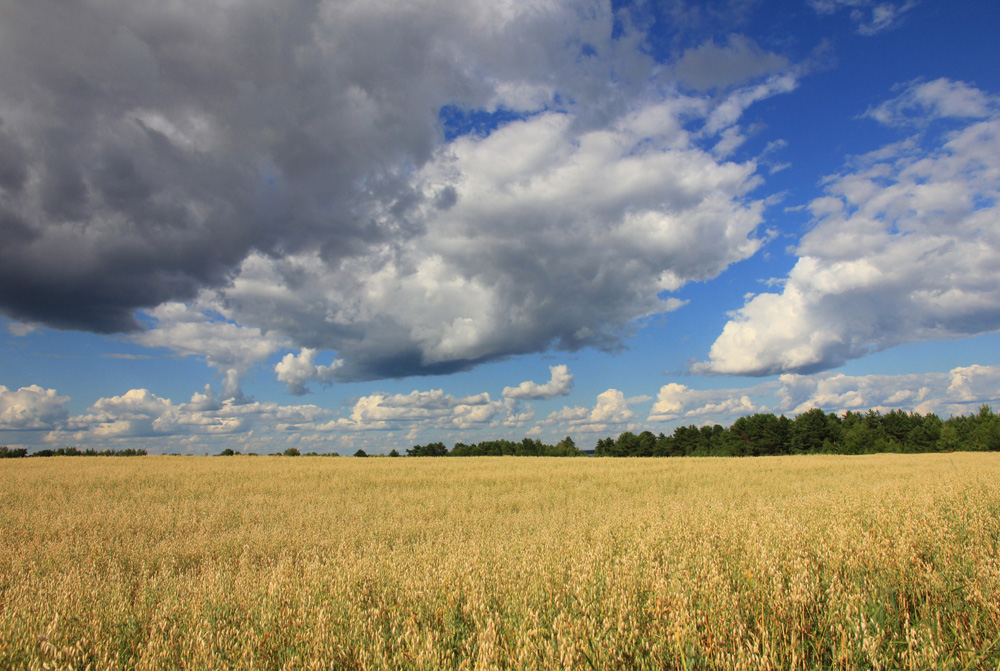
816,432
529,447
16,453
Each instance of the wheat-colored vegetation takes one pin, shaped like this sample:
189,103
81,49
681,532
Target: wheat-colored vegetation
874,562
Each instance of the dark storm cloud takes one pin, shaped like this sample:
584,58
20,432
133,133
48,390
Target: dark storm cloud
145,150
13,164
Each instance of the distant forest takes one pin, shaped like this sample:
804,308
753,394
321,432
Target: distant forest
13,453
764,434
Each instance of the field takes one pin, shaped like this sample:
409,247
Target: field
880,562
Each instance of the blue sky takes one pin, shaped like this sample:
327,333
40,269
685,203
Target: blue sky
344,225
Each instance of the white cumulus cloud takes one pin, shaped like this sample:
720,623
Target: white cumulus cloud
560,384
140,414
612,411
419,410
676,401
230,348
905,248
31,408
291,167
296,371
541,235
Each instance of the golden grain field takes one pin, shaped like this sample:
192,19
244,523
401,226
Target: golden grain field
882,562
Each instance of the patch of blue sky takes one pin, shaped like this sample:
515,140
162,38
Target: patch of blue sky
457,121
100,365
929,356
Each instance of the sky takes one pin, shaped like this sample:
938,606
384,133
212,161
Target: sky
367,224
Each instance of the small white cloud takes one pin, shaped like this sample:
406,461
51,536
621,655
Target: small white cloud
31,408
676,401
133,414
21,329
611,410
296,371
883,16
560,384
871,17
136,403
420,409
922,101
974,384
728,112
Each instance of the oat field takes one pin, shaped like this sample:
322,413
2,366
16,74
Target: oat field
881,562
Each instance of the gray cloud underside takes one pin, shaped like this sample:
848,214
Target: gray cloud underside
710,65
149,149
283,165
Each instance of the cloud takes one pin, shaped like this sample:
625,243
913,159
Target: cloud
286,167
140,414
20,329
148,148
676,401
230,348
959,391
611,411
419,409
560,384
870,16
31,408
189,136
921,102
555,237
974,384
297,371
710,65
136,413
728,112
904,248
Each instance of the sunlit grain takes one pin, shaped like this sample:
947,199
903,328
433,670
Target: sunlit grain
884,562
